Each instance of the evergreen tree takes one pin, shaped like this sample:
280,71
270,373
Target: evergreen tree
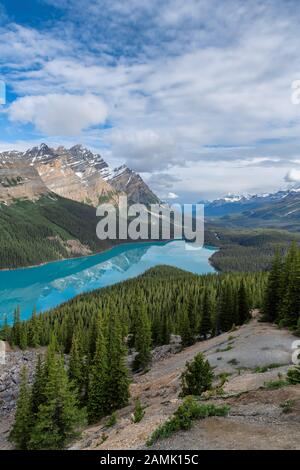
16,329
187,337
197,377
5,331
273,289
142,341
38,388
34,337
226,307
23,336
58,418
77,366
243,305
118,381
98,400
20,432
165,330
206,319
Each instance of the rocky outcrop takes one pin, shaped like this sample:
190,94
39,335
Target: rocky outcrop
20,181
77,174
124,180
10,377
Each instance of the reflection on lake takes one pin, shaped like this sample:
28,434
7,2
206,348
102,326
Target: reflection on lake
53,283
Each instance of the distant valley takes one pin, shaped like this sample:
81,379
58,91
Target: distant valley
280,209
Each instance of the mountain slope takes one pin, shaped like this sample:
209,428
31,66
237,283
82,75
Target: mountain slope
232,203
76,173
51,228
124,180
80,175
20,181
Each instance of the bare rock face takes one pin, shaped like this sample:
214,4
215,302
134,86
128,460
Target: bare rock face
74,173
127,181
20,181
10,377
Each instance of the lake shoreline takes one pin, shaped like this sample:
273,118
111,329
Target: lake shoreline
52,284
107,250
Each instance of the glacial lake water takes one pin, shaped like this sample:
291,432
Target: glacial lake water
51,284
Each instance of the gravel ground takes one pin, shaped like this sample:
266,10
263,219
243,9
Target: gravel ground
253,345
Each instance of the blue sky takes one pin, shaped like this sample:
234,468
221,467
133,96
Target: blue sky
195,95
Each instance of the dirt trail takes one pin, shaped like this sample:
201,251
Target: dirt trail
256,422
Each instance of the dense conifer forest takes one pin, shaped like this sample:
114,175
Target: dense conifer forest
96,330
35,232
282,296
164,300
32,233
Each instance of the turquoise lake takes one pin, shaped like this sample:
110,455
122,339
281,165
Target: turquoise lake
51,284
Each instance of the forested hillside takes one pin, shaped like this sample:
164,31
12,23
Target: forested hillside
36,232
170,301
247,250
97,329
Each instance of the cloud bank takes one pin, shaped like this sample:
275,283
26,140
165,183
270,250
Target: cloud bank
200,89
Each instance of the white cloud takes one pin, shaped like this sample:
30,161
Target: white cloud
199,88
144,149
172,196
56,114
293,176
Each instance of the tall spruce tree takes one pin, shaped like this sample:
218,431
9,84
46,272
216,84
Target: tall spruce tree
98,399
20,432
243,313
16,329
34,335
118,381
38,388
273,290
206,319
59,418
77,364
142,340
186,334
227,309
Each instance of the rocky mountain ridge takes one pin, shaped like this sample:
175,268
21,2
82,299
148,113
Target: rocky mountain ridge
283,203
78,174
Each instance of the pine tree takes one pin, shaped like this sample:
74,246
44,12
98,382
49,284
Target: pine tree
142,340
77,366
20,432
97,405
5,331
243,304
34,336
165,330
118,382
16,329
206,320
291,310
192,314
187,337
226,307
273,289
38,387
197,377
58,418
23,336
